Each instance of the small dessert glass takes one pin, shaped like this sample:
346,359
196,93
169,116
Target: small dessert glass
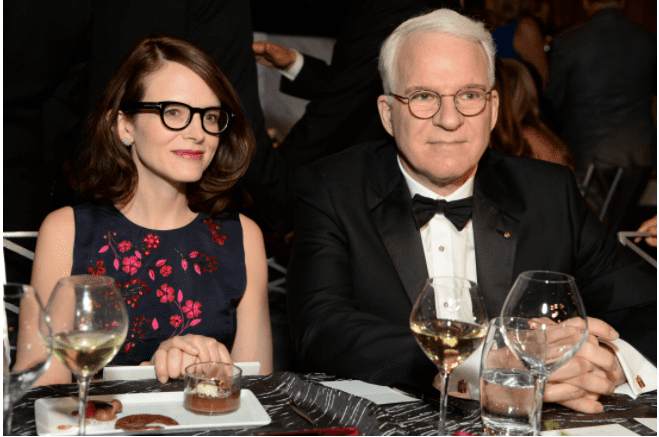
212,388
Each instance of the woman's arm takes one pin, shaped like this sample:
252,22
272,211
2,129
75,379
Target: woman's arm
529,43
253,340
53,259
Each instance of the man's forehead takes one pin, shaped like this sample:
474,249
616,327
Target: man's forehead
425,53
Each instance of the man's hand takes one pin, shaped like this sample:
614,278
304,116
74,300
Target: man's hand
177,353
273,55
651,227
592,372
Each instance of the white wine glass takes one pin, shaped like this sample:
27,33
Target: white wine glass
18,377
449,322
89,324
545,323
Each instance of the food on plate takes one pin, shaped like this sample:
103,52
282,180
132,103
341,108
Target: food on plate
139,422
209,397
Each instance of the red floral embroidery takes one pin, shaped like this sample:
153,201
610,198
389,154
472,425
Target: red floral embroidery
212,226
131,264
125,246
176,321
192,309
166,270
152,241
99,270
165,293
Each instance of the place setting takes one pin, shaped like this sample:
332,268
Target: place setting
542,325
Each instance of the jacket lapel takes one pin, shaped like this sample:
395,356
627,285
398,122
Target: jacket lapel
390,203
497,211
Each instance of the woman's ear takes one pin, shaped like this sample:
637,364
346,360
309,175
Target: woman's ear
124,128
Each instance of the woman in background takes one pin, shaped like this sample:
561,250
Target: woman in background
520,130
168,144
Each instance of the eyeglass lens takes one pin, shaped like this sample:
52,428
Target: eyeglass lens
177,116
425,104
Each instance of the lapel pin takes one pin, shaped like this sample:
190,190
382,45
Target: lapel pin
505,235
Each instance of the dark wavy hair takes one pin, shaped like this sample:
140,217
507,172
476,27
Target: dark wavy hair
105,171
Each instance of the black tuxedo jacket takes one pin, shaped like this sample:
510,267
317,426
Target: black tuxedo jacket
357,264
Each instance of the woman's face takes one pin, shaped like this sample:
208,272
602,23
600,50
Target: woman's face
159,153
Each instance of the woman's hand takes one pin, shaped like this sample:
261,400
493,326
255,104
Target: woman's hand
177,353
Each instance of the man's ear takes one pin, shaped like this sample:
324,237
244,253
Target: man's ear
124,127
384,107
494,115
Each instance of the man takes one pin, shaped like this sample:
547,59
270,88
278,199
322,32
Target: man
360,260
341,112
601,87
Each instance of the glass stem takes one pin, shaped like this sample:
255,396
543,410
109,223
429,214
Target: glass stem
8,408
540,395
443,402
83,388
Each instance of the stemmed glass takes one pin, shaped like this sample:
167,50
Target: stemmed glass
89,324
545,324
449,322
16,382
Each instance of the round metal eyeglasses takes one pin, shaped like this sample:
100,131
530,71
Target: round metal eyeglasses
177,116
425,104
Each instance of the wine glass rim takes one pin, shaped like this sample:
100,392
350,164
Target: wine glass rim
18,294
431,279
87,280
551,277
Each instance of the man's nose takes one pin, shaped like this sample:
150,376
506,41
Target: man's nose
448,117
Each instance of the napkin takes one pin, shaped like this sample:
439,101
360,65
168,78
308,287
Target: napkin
650,422
375,393
611,429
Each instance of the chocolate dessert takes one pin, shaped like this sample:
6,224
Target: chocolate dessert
139,422
208,398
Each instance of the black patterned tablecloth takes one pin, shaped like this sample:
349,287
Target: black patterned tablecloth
334,408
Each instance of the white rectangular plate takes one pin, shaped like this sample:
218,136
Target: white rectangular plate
51,413
131,373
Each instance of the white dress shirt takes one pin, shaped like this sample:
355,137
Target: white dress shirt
450,252
295,68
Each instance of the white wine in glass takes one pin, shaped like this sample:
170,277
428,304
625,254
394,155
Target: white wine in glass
449,322
89,324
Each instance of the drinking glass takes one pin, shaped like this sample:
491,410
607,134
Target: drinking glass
448,321
507,388
16,382
89,324
545,324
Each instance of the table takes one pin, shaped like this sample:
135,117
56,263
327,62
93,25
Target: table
333,408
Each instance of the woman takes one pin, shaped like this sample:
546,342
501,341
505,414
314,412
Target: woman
167,145
520,130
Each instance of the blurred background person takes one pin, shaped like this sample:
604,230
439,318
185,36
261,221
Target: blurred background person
602,88
520,129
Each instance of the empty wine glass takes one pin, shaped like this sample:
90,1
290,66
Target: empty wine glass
89,324
545,323
15,382
449,322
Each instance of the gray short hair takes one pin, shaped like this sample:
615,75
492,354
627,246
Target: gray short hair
440,21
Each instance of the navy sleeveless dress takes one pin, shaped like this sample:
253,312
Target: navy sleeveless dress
174,282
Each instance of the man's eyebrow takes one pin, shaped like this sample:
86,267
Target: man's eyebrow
415,88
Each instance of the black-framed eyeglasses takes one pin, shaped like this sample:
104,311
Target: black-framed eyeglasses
425,104
177,116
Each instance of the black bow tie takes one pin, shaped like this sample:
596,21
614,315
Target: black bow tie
458,212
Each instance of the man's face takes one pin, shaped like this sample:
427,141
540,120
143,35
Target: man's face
443,151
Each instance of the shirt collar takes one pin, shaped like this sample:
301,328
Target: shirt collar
466,190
